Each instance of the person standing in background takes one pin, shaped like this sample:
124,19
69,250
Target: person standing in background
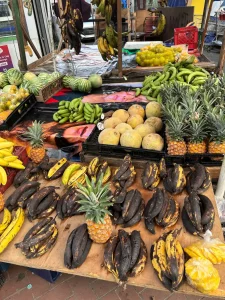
82,5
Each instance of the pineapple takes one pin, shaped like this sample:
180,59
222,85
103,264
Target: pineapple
175,127
34,136
217,131
95,200
196,134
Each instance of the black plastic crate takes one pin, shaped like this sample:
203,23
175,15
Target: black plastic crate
92,146
19,113
207,159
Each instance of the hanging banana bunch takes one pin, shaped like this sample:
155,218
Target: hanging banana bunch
72,27
28,4
160,26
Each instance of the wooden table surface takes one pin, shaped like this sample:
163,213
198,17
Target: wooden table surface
92,267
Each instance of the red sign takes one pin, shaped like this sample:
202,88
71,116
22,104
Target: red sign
5,59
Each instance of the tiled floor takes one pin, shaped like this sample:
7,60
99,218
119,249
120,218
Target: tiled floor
21,284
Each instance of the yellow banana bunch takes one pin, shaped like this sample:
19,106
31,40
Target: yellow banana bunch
78,177
56,167
101,8
93,167
7,159
6,220
69,172
3,176
105,49
161,25
11,231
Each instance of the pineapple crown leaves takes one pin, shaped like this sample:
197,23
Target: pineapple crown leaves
216,125
95,199
34,134
197,129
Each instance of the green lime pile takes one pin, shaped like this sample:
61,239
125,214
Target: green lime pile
77,111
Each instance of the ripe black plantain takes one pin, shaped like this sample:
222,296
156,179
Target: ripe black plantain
162,168
127,202
133,207
108,254
77,241
14,197
135,239
123,168
78,254
125,258
68,255
188,223
207,209
23,175
150,225
196,210
141,261
137,217
119,196
24,198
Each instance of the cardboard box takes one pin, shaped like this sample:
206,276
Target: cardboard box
11,173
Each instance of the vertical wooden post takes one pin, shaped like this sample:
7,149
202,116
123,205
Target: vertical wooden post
19,34
119,30
221,61
206,27
22,18
206,5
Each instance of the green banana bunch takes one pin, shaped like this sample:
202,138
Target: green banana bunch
184,72
77,111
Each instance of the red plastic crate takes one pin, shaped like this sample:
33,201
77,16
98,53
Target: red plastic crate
186,35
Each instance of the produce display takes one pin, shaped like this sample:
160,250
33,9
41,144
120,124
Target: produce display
131,129
68,206
185,73
162,210
81,84
20,86
195,123
39,239
77,247
202,275
209,248
77,111
198,214
13,227
72,26
125,255
86,192
167,257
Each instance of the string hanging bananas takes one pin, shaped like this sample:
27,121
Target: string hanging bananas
160,26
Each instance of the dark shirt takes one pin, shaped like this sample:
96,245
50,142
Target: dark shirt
82,5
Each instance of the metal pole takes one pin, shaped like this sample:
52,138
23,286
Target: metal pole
206,5
129,20
19,34
206,27
119,30
51,33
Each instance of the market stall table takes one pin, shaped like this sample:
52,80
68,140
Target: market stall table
93,266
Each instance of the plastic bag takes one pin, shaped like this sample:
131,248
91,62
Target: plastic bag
202,275
211,249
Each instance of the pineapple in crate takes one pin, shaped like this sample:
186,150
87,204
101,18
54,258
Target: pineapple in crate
34,135
196,124
95,200
197,134
216,122
176,126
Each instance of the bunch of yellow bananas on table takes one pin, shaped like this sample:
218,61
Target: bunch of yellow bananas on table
7,159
